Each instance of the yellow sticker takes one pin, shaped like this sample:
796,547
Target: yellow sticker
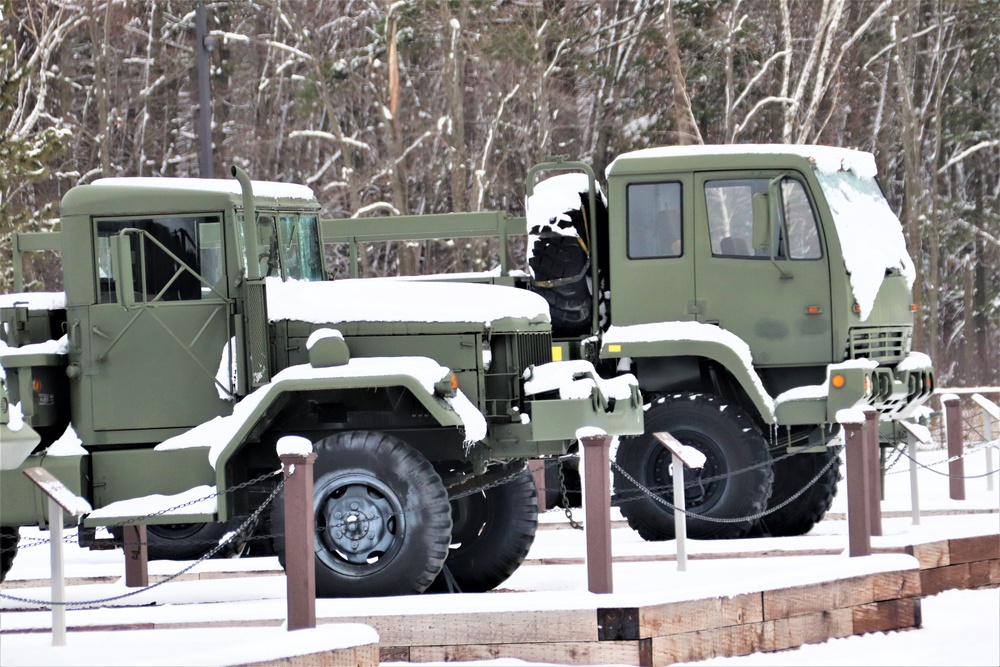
614,347
556,353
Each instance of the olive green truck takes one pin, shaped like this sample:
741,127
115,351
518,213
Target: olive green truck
753,290
198,327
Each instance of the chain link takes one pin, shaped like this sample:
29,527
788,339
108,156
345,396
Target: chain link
221,544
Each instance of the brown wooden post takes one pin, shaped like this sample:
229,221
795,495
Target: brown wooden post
956,464
858,496
870,435
300,557
136,556
537,468
597,505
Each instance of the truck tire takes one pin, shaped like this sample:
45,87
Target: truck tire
491,535
399,544
790,475
9,537
730,441
186,541
562,258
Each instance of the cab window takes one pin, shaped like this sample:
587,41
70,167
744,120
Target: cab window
654,220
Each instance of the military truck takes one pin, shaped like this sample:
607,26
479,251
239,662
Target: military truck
198,327
753,290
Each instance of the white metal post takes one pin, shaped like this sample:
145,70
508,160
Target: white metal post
988,435
911,448
680,518
58,580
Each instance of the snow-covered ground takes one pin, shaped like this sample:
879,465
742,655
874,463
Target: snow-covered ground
959,627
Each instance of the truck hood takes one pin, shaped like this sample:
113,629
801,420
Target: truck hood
385,300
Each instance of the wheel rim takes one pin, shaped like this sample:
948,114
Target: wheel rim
360,524
698,494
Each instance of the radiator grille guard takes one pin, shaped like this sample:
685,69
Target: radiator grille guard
512,354
886,345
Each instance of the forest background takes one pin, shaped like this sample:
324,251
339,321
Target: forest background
425,106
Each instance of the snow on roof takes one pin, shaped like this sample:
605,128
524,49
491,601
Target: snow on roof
372,300
34,300
826,158
217,433
229,186
689,331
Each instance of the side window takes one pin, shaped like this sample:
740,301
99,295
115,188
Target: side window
654,220
267,246
167,258
800,224
730,215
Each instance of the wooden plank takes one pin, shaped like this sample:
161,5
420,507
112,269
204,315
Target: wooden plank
578,653
893,585
784,633
479,628
801,600
979,574
939,579
703,644
970,549
931,554
995,572
887,615
690,615
341,657
394,654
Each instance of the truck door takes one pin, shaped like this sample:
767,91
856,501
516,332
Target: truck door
157,359
651,254
777,299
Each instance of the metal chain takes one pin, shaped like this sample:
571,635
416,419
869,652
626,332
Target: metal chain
752,517
221,544
949,460
567,510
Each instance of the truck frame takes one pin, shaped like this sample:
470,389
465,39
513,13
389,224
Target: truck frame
753,290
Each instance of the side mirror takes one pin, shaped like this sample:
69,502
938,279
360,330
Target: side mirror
762,224
121,253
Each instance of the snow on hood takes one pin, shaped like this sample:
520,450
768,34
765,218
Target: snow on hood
373,300
217,433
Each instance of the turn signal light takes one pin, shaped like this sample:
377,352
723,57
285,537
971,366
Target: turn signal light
838,381
37,385
913,307
454,381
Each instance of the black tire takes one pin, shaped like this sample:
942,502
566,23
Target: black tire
186,541
493,531
558,258
9,537
398,543
730,441
790,476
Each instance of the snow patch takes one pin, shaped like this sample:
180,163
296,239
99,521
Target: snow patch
229,186
294,445
34,300
198,500
373,300
68,444
576,379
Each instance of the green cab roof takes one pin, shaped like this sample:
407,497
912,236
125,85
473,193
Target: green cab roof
156,196
738,156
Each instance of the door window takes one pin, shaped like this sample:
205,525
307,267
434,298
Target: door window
168,256
654,220
730,215
800,223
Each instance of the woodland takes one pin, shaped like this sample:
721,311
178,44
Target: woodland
427,106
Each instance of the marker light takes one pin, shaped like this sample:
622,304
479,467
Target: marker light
838,381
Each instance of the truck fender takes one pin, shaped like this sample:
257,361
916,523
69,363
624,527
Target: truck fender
223,436
692,339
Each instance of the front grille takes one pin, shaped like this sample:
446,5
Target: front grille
512,354
533,349
884,345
